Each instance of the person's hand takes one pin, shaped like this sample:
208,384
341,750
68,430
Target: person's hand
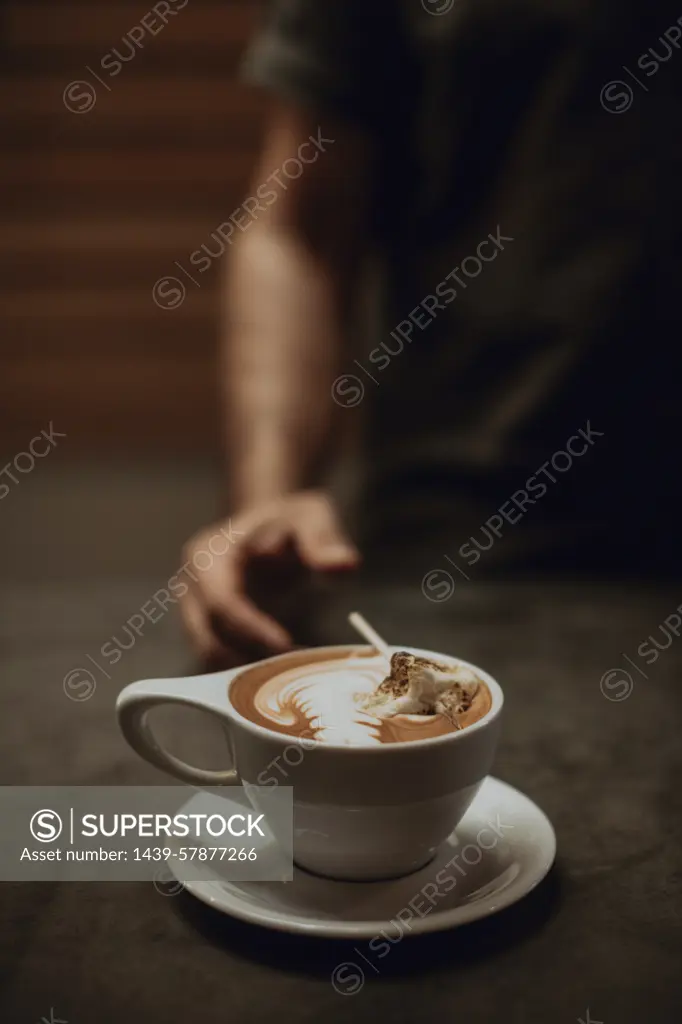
222,620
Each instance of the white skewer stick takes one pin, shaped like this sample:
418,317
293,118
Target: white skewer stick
370,634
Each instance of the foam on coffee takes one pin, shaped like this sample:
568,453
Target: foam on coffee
336,700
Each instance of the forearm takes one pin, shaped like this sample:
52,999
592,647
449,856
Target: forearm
280,352
291,280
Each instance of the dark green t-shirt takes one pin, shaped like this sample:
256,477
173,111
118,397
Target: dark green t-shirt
527,214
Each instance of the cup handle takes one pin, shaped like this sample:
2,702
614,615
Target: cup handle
208,693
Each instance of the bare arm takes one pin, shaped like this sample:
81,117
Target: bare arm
290,278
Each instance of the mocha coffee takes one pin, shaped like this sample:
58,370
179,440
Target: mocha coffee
357,699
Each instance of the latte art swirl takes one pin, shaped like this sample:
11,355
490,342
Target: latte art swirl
324,699
327,694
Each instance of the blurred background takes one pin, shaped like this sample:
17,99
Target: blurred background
128,139
107,177
103,188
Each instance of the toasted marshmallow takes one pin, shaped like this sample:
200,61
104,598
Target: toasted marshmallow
417,686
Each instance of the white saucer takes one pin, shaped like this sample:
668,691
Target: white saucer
517,859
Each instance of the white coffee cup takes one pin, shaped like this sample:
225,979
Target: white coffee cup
359,812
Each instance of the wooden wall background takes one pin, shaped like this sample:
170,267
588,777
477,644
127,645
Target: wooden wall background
96,206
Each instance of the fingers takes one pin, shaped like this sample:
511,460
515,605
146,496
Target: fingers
227,599
220,592
220,616
321,540
195,617
215,649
